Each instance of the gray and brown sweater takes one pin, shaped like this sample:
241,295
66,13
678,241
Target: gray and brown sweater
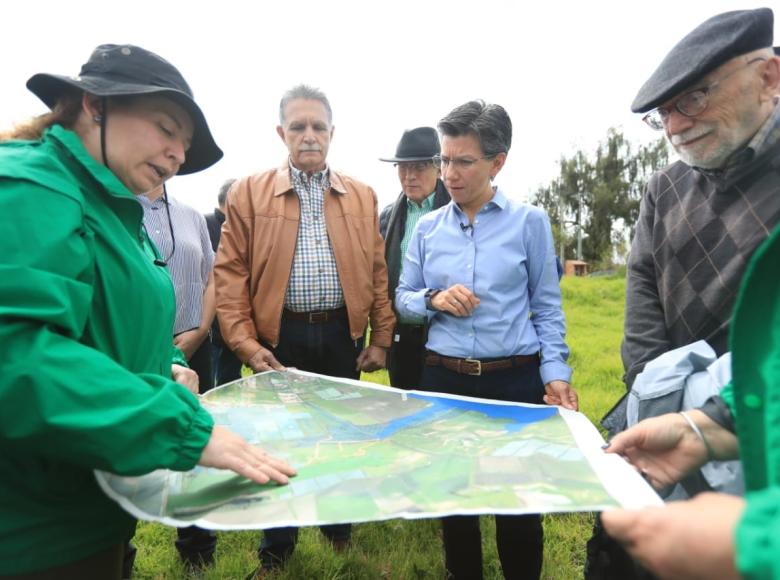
694,238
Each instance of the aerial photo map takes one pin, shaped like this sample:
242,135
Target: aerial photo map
365,452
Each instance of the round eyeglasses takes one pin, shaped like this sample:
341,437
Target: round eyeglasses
691,103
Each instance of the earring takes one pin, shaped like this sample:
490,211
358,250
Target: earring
98,118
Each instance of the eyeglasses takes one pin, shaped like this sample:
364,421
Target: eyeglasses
460,162
414,166
691,103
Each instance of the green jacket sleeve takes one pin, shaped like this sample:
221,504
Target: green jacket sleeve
61,398
758,535
727,394
177,357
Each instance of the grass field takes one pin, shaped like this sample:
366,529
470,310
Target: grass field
403,549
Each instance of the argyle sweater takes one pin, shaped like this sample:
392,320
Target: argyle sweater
695,235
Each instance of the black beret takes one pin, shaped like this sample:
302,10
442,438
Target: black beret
708,46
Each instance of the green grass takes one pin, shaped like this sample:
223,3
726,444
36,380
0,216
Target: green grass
412,549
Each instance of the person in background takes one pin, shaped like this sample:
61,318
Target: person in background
482,270
714,96
225,365
422,191
300,271
89,378
182,238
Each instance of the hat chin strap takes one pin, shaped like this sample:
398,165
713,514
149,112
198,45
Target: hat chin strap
103,116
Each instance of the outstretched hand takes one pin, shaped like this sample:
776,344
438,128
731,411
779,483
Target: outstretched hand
226,450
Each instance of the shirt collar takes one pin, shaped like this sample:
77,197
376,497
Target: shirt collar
765,137
426,205
305,179
499,201
768,133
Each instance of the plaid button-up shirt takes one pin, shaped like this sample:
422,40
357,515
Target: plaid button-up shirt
314,281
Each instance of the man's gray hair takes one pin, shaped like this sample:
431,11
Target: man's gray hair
304,92
489,123
223,191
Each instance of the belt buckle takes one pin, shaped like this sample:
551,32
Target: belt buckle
317,317
478,363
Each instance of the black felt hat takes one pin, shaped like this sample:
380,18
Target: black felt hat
708,46
121,70
420,144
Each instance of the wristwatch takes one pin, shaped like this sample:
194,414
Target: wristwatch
429,294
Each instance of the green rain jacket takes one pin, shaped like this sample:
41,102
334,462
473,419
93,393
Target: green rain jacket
86,320
754,399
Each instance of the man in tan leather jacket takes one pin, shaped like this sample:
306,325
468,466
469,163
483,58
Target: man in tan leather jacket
300,270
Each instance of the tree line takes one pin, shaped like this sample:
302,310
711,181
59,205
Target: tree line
601,192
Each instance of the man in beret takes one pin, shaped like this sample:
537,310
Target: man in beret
422,191
715,98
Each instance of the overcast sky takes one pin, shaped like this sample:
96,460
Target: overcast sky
565,71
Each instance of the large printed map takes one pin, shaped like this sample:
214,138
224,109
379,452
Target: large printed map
365,452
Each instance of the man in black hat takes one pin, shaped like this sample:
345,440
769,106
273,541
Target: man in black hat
422,191
715,98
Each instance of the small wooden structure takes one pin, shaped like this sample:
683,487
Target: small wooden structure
575,268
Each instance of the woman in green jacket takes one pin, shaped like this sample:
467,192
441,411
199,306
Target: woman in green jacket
715,535
88,375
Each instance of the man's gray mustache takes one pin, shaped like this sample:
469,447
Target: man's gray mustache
690,135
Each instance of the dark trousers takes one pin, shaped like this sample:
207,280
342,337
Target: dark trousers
406,357
324,348
200,362
225,364
519,539
195,545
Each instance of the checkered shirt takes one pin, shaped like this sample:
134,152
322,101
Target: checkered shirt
314,280
692,244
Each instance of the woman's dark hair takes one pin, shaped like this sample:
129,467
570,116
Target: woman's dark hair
488,122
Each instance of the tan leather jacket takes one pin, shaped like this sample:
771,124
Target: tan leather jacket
256,250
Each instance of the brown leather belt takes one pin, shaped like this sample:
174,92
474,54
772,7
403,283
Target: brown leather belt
472,366
316,317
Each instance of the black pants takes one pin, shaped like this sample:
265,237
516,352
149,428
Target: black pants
225,364
200,362
406,357
324,348
519,539
195,545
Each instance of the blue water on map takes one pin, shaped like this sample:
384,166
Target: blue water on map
519,417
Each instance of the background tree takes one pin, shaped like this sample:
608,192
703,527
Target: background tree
602,193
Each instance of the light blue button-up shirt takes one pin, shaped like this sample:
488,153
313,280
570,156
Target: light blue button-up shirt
507,260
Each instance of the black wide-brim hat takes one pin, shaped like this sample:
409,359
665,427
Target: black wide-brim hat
705,48
124,70
420,144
